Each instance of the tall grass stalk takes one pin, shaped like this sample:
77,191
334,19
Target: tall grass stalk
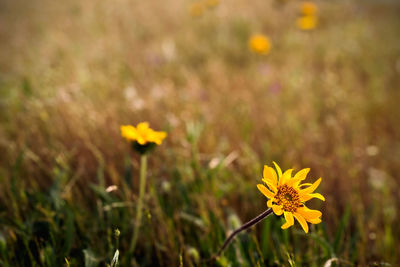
142,186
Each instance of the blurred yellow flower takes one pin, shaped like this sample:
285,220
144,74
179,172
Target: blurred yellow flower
307,23
287,196
260,44
211,3
197,9
308,8
142,134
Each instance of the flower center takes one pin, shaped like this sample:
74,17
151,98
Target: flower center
288,197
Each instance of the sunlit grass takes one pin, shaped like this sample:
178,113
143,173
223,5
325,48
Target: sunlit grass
327,98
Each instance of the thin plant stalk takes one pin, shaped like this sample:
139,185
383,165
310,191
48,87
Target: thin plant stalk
245,226
139,207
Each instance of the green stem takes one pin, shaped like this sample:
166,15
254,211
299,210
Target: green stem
142,187
245,226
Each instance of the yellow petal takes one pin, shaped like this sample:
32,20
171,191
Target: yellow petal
269,203
293,182
286,225
161,135
278,169
285,177
157,141
289,217
270,185
270,174
315,221
289,220
307,197
142,126
308,214
265,191
300,176
277,210
311,188
141,140
302,221
305,184
128,132
151,136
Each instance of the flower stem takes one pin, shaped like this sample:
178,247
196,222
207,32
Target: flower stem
240,229
142,187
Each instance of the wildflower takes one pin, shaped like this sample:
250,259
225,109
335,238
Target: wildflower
307,23
287,196
143,139
197,9
211,3
308,8
142,134
260,44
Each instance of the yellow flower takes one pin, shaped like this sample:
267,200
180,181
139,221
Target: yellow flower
287,196
307,23
197,9
260,43
211,3
142,134
308,8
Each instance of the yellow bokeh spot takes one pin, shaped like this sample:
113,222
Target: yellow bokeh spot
308,8
260,44
211,3
197,9
307,23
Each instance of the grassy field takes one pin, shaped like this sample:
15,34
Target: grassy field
72,72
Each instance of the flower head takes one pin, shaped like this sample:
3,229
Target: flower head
211,3
197,9
287,196
307,23
260,44
308,8
142,135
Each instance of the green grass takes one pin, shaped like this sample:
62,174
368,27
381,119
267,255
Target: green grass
71,73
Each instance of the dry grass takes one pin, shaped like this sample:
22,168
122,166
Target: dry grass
72,72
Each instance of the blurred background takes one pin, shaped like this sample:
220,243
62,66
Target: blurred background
236,84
